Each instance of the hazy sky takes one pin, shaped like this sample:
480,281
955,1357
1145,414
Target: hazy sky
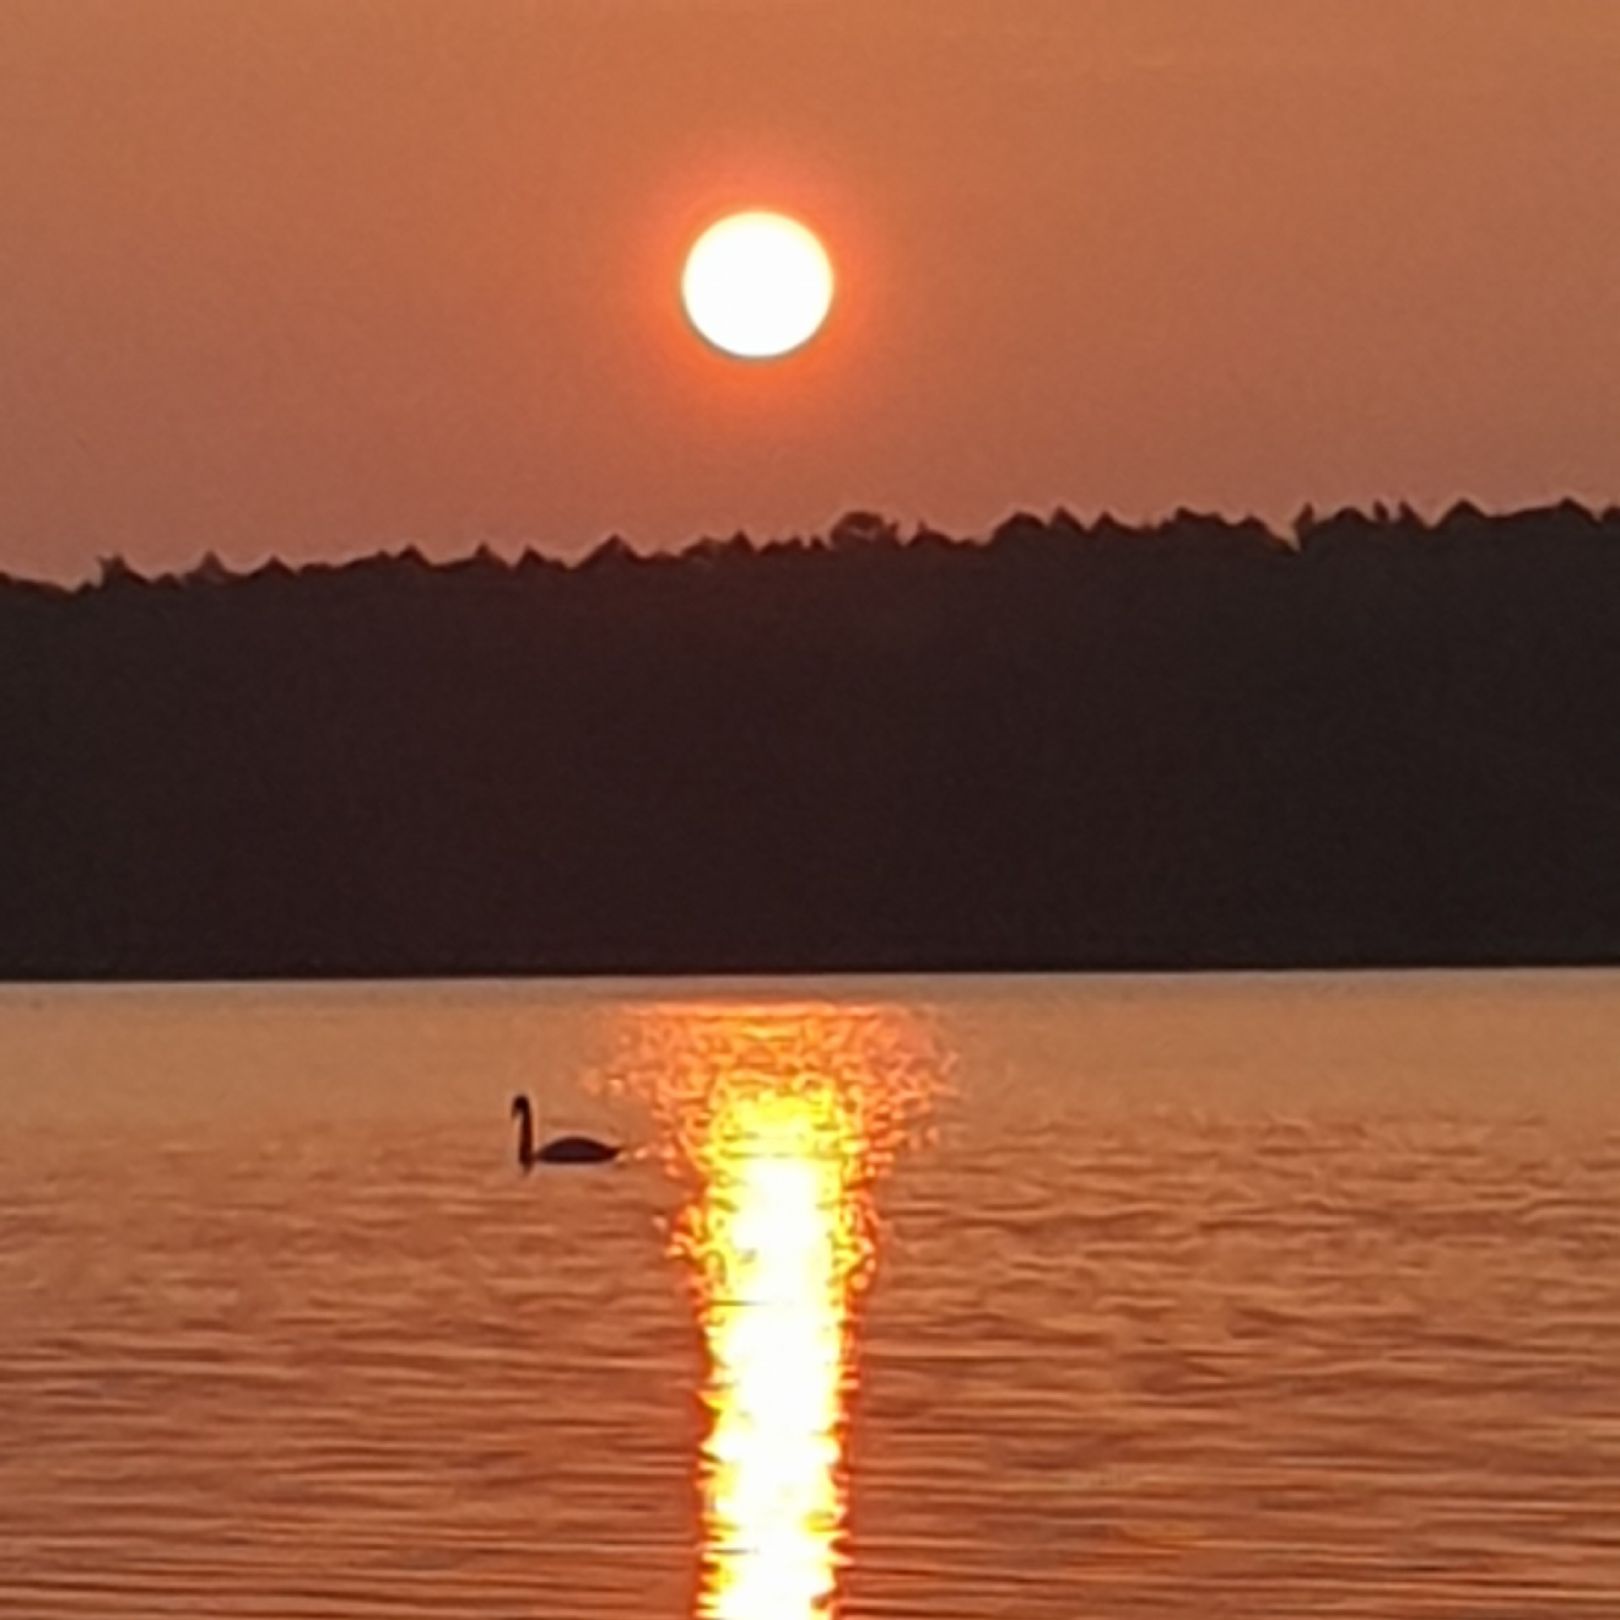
317,276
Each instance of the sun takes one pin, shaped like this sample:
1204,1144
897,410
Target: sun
758,285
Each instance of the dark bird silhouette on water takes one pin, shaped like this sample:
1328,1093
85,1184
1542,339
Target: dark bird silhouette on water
560,1149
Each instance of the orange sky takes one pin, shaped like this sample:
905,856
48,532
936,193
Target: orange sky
318,276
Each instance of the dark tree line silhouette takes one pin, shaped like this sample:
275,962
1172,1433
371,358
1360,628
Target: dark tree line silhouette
1372,741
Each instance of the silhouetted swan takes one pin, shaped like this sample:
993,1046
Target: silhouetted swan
561,1149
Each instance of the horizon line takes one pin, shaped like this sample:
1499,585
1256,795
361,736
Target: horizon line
854,530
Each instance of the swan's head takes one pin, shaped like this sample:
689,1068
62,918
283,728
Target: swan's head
520,1106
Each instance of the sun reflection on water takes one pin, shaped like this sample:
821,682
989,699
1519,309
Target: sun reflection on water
779,1119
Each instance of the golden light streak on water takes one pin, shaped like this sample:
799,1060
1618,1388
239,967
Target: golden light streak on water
780,1265
780,1119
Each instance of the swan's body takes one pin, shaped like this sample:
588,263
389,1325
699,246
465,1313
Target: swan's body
560,1149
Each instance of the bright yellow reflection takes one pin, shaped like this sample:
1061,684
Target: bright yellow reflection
780,1119
778,1266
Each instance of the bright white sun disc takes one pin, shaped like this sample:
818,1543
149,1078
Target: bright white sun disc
757,285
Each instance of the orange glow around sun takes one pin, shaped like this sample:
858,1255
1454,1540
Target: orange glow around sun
758,285
779,1119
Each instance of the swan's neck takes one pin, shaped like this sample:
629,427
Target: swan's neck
525,1135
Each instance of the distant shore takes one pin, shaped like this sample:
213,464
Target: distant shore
1371,742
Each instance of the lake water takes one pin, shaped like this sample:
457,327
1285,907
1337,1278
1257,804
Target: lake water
946,1299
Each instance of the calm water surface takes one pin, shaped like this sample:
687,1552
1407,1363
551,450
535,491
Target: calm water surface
966,1299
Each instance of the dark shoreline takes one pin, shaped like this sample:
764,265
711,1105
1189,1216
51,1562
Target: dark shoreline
603,975
1374,744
